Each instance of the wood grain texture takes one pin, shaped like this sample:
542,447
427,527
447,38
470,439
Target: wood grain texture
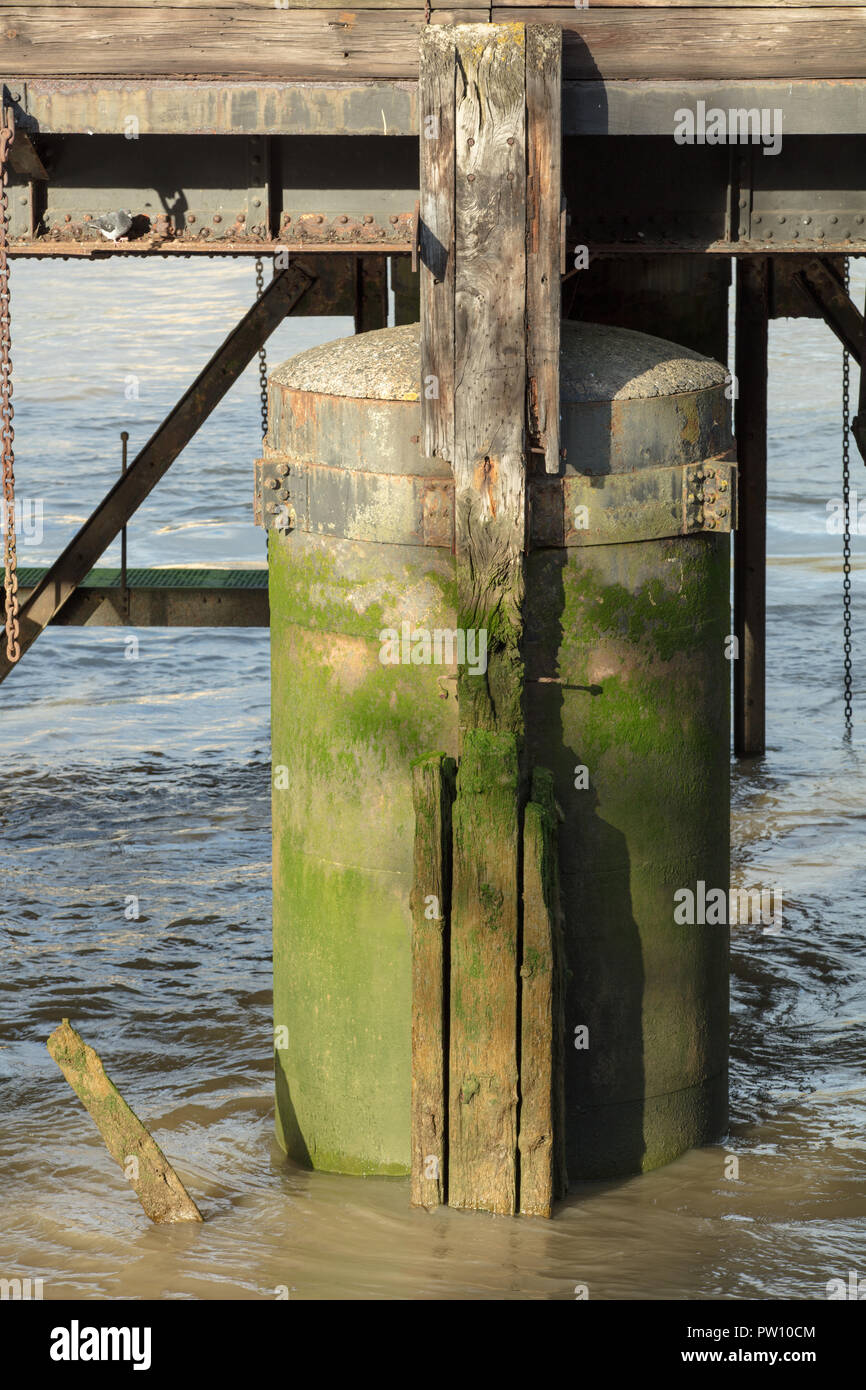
432,795
544,198
482,1129
691,41
148,1171
542,1102
160,41
694,43
490,363
436,97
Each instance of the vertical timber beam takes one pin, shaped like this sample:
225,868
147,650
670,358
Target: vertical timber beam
371,293
750,539
544,192
542,1095
432,794
487,94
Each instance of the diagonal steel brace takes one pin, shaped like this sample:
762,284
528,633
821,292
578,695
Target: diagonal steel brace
158,454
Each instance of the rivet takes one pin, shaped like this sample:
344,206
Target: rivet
782,221
795,233
257,202
368,219
67,218
858,219
287,219
217,218
342,218
471,178
393,218
757,219
319,218
743,203
819,231
834,219
807,220
190,217
723,487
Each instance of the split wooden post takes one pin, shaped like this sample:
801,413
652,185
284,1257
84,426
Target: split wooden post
151,1176
432,794
750,540
542,1097
490,113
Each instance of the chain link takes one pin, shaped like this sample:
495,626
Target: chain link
263,356
846,536
7,433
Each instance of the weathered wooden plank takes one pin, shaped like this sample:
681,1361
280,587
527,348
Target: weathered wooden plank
432,795
542,1101
490,363
482,1130
750,540
213,43
694,42
148,1171
544,197
436,117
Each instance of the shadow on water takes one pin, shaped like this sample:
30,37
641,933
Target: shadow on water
604,1080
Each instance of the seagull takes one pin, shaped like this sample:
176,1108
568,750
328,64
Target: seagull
114,226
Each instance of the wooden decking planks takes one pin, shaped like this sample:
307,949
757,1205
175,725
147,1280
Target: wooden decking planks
696,42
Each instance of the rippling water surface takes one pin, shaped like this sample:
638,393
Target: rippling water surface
149,779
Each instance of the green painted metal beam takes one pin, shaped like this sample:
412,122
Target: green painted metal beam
170,597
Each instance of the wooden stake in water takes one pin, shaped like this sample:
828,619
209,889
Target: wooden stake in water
151,1176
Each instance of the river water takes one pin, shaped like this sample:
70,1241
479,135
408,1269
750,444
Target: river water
148,779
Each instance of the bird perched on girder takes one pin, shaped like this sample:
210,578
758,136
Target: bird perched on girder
114,226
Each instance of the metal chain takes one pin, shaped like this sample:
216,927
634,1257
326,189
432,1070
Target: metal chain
7,433
263,356
846,535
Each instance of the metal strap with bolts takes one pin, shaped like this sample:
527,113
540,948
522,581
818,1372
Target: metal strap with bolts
7,433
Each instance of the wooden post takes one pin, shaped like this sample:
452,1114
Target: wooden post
432,794
544,191
151,1176
542,1099
371,293
490,100
750,543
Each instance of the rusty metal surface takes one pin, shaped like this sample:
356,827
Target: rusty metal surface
388,508
576,510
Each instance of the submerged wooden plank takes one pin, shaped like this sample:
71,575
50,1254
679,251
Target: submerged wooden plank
544,196
542,1103
432,794
482,1130
145,1166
